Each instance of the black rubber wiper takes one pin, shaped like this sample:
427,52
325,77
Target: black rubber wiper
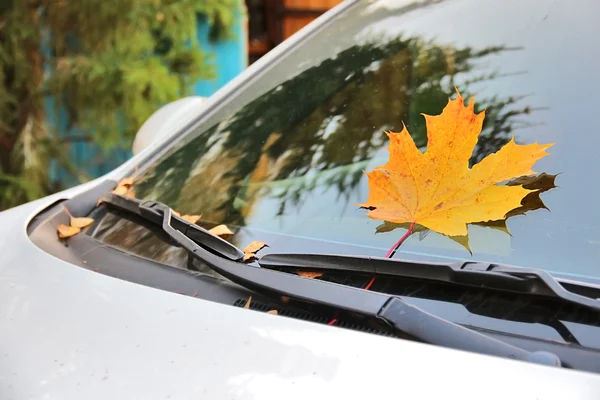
391,311
477,274
198,234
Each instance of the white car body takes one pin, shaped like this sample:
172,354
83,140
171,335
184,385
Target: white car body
70,333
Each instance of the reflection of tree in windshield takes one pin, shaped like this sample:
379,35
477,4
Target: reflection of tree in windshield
321,127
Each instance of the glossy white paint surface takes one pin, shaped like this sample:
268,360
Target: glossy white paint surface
69,333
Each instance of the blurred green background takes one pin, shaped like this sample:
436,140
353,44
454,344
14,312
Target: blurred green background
78,78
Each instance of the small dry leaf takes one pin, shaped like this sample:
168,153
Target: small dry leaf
248,302
310,274
251,250
221,230
272,312
192,219
120,190
285,299
255,247
66,231
250,257
124,187
75,222
81,222
127,182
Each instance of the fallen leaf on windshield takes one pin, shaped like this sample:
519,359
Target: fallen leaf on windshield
120,190
437,189
309,274
250,257
247,305
251,250
124,187
532,201
81,222
127,182
192,219
66,231
272,312
78,222
255,247
221,230
463,241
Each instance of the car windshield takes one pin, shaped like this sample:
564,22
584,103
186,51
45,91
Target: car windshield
283,159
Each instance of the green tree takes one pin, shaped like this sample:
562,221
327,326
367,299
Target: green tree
106,65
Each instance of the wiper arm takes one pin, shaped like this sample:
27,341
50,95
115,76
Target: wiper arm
482,275
198,234
392,311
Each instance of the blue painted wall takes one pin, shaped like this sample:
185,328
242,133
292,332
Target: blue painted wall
229,58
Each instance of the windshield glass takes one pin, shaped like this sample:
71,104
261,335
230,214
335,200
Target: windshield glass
282,160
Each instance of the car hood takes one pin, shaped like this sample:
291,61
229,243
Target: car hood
71,333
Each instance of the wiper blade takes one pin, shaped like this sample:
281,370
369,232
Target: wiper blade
198,234
478,274
391,311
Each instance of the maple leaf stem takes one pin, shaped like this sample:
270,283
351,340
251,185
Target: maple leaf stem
392,251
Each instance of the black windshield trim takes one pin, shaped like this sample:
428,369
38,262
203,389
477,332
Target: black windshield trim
520,280
83,251
392,311
210,242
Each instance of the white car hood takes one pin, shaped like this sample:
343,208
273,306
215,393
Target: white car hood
70,333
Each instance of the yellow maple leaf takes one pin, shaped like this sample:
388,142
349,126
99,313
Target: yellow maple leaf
437,189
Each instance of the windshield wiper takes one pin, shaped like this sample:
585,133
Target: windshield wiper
391,311
477,274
